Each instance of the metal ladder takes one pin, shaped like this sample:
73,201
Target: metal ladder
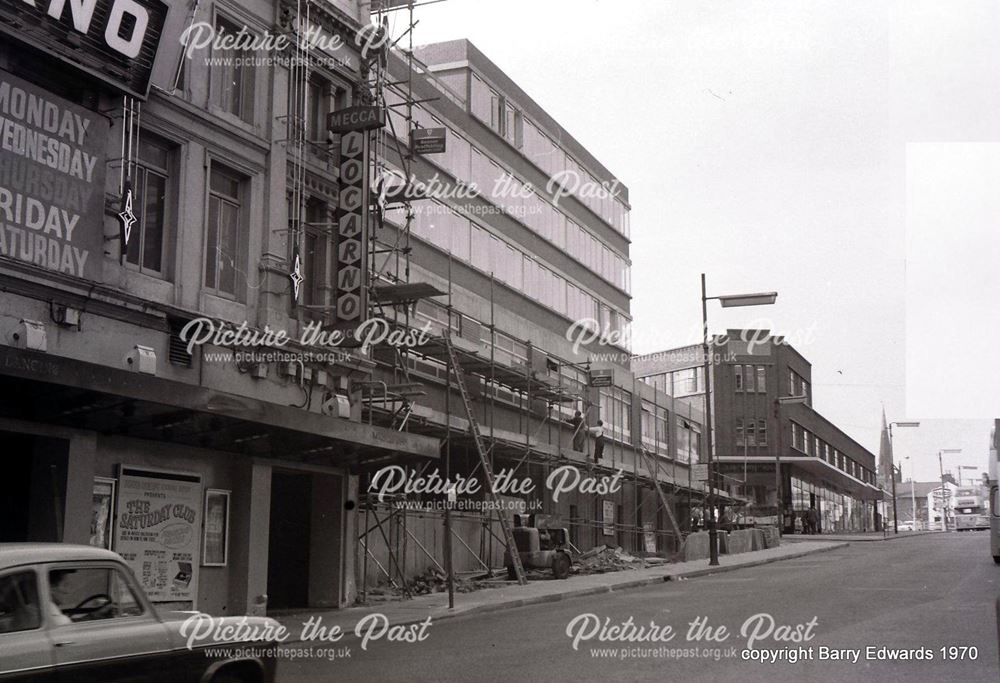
484,460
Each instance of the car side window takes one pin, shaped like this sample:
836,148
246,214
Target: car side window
19,606
89,594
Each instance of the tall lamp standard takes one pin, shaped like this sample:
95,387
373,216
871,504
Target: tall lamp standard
944,490
729,301
892,471
913,497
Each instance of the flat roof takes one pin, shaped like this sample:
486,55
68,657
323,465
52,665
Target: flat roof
452,54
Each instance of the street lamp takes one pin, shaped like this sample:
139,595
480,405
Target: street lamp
892,472
944,490
728,301
913,497
781,400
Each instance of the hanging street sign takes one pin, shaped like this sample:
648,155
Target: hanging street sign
428,140
355,119
601,378
699,472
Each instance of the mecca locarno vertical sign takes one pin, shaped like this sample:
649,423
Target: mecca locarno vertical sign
352,231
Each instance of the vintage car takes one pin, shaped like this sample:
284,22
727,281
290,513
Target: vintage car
77,613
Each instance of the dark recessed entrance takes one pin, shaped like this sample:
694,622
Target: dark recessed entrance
31,508
289,538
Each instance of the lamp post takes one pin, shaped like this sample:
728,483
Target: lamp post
892,471
729,301
913,498
944,490
781,400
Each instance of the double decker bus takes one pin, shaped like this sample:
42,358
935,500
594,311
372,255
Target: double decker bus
971,510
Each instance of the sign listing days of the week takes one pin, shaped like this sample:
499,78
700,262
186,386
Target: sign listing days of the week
52,169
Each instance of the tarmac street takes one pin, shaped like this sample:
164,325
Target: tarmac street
916,609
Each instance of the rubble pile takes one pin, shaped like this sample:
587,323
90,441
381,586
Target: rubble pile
604,559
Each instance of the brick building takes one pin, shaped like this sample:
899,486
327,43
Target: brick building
820,465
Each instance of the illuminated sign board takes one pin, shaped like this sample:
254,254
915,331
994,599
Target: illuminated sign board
350,308
112,40
355,118
52,170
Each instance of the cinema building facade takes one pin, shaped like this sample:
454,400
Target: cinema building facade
220,481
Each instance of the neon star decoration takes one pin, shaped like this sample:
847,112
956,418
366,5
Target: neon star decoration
296,277
126,216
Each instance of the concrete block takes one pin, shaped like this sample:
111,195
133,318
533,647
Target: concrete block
739,542
696,546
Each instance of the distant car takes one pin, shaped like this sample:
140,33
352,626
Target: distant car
905,526
77,613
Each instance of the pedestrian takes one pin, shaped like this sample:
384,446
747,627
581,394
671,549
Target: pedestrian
812,519
579,433
598,434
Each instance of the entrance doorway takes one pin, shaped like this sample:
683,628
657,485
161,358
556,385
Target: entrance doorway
288,541
305,540
34,501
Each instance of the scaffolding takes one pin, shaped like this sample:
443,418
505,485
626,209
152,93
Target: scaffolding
453,357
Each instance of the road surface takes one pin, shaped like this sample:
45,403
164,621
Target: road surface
905,597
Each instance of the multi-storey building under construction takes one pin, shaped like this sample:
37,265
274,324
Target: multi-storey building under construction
184,220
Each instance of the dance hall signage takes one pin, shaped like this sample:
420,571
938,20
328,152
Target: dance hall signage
52,170
112,40
352,232
355,118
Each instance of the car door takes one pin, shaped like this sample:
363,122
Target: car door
25,649
107,631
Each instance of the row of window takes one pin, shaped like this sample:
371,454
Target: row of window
615,403
154,185
750,378
505,119
837,511
232,86
810,444
469,164
616,412
797,385
154,202
679,383
751,432
226,229
473,244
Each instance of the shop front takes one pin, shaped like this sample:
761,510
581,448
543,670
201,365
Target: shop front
842,502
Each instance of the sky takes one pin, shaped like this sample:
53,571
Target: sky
838,152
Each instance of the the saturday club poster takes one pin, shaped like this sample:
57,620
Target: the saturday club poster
157,532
